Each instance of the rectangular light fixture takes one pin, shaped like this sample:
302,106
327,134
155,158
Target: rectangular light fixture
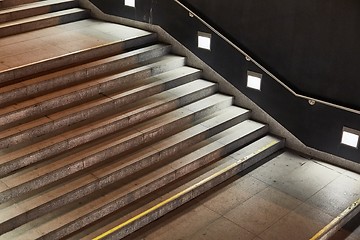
350,137
254,80
130,3
204,40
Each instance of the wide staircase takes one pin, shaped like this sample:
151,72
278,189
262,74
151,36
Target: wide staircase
103,130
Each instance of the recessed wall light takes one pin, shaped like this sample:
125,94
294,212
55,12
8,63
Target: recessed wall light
204,40
130,3
254,80
350,137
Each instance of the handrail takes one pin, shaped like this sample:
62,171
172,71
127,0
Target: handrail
311,100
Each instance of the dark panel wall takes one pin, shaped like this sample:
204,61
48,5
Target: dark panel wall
312,45
317,126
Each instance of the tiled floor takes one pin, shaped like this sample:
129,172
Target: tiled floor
289,197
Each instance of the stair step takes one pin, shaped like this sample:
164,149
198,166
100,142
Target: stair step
123,224
118,170
100,125
124,38
25,181
43,105
91,109
74,137
36,8
12,3
65,78
74,219
42,21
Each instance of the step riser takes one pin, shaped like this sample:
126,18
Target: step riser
100,157
19,14
128,170
154,215
78,57
81,75
42,108
142,191
30,26
86,137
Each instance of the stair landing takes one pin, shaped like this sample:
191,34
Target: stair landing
22,49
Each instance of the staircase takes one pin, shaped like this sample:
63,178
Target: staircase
101,126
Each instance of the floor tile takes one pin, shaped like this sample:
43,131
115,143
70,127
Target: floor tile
232,195
278,167
306,180
184,225
261,211
352,175
222,229
300,224
330,166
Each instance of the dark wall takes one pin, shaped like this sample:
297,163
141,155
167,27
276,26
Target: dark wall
312,45
317,126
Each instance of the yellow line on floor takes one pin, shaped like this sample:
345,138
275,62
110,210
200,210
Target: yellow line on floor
336,223
178,195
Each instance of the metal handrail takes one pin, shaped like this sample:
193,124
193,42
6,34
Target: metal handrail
311,100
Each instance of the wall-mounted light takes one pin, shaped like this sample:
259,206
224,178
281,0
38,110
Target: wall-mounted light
204,40
130,3
254,80
350,137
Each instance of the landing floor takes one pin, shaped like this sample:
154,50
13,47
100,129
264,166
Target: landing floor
289,197
30,47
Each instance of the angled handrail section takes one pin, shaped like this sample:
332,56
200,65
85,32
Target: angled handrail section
311,100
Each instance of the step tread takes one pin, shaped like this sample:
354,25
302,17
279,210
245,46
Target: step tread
151,177
238,157
42,17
